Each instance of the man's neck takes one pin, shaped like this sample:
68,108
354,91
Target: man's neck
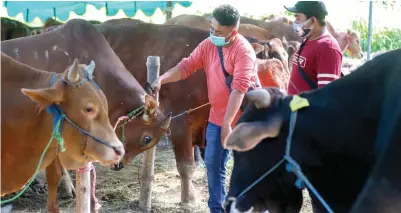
319,33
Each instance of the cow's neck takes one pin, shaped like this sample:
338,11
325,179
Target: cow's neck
342,41
335,134
25,119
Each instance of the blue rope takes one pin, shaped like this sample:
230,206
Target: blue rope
59,116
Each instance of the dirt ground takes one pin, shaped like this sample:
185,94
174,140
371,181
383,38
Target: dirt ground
118,192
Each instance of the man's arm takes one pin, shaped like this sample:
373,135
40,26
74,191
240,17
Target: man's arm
328,66
244,70
234,103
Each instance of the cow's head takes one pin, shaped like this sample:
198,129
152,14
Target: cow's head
145,129
354,46
259,141
85,105
274,49
291,48
35,32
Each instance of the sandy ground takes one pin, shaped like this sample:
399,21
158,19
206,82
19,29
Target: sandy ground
118,191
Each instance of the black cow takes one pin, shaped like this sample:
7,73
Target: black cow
347,142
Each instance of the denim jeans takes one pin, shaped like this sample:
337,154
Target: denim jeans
215,160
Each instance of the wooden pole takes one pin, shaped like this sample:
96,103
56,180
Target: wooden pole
147,171
83,189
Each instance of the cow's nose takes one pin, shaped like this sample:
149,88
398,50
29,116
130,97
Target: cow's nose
118,166
119,150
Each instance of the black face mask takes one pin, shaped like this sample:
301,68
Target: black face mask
306,32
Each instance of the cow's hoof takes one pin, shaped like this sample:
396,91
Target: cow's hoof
53,209
67,192
188,198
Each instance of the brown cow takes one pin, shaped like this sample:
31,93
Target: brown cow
248,30
11,29
123,21
171,43
79,39
27,127
349,41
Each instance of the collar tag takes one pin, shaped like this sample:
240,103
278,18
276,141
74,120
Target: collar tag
298,102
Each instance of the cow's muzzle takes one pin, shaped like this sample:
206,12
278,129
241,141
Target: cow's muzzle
118,166
230,206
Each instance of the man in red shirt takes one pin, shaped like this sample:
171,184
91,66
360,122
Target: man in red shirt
318,60
239,61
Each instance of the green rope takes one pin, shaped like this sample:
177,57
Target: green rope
55,135
129,115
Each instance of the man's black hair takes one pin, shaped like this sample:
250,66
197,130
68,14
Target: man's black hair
226,15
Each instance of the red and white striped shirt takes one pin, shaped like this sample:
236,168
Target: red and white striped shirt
321,60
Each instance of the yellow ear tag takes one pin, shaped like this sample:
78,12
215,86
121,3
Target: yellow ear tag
298,102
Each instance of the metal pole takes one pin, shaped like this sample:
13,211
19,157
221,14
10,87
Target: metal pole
370,30
147,171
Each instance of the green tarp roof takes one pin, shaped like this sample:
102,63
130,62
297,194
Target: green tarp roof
62,9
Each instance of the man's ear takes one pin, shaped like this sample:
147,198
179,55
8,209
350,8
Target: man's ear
45,96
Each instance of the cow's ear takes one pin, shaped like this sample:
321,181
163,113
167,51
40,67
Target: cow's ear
150,109
45,96
257,47
246,136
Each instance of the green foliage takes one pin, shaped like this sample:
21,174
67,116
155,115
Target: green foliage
288,13
383,39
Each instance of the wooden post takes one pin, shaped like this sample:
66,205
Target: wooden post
82,190
147,171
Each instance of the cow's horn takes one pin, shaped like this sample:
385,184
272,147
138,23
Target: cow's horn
166,123
90,68
73,73
260,97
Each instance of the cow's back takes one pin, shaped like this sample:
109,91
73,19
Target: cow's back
190,21
281,29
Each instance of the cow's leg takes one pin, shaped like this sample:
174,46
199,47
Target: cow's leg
198,155
67,189
184,155
53,175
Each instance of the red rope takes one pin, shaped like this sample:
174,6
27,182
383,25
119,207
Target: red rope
93,190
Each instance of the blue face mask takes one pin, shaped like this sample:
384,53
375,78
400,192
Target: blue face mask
218,40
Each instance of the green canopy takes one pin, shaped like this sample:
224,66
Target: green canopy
62,9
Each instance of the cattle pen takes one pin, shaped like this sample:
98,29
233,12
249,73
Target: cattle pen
151,183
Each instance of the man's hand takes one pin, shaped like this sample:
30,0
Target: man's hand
225,131
156,85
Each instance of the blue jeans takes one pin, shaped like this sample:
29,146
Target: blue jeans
215,160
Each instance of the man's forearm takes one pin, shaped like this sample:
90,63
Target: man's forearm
173,75
234,103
